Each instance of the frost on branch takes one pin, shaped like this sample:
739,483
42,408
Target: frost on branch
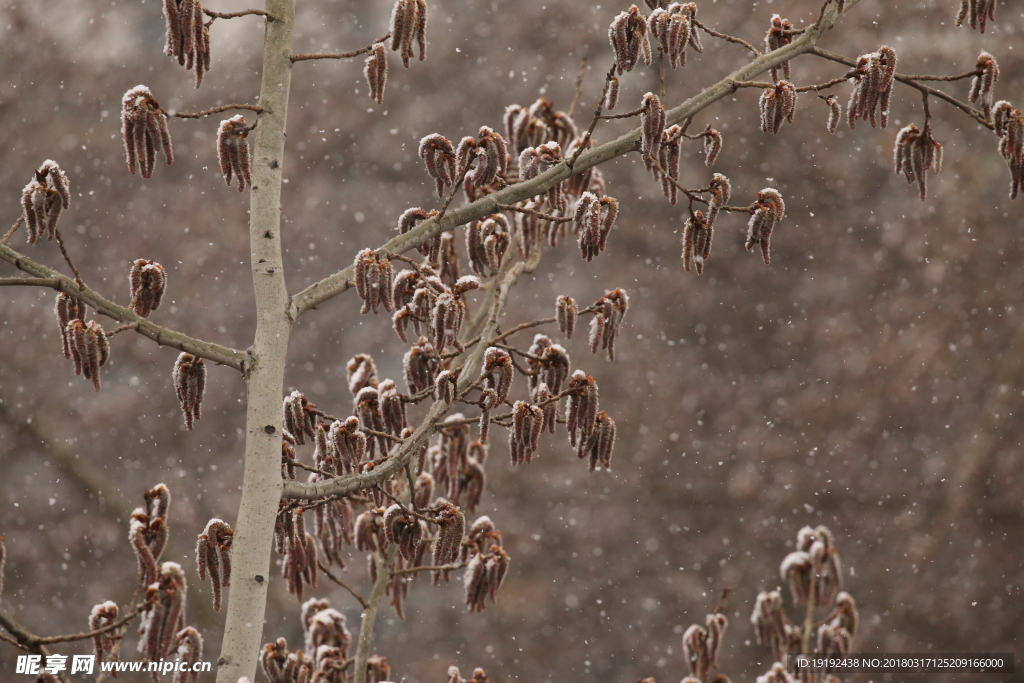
768,210
148,280
375,69
213,557
628,36
43,200
188,37
190,384
1009,124
143,127
409,26
90,349
872,80
915,154
777,105
977,13
233,151
373,281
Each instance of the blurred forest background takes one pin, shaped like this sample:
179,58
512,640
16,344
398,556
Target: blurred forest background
870,380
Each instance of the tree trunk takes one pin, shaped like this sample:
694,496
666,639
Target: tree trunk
261,487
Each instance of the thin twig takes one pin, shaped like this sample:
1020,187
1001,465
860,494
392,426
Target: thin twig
67,257
723,36
216,110
14,227
627,115
538,214
967,74
245,12
597,117
335,579
436,568
417,515
579,87
122,328
522,326
339,55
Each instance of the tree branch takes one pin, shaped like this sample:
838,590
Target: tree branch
232,15
335,284
339,55
217,110
165,336
384,561
327,572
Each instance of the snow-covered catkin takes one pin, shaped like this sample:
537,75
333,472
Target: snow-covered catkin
672,27
777,105
609,312
977,13
373,281
1009,125
497,374
143,130
581,410
668,162
835,112
527,421
188,37
768,211
566,313
90,349
872,79
712,145
594,219
984,82
439,158
103,614
446,386
213,557
65,309
451,526
148,280
652,125
628,37
233,151
697,236
190,384
721,192
43,200
409,29
611,97
375,69
602,443
779,35
915,153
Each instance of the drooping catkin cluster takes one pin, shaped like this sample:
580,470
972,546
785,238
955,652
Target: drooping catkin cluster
373,281
609,312
1009,124
486,570
163,613
188,651
375,70
536,160
90,349
143,127
103,644
487,241
872,81
43,200
701,644
977,13
548,363
777,105
983,85
439,157
409,26
835,112
451,526
213,557
539,123
299,417
403,530
916,153
448,313
233,151
147,532
527,422
813,570
148,280
674,29
780,34
412,217
602,443
668,162
698,233
652,126
327,642
594,219
299,566
721,192
581,411
628,36
497,373
65,309
768,211
479,676
566,314
189,378
611,96
712,145
420,365
490,152
188,37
